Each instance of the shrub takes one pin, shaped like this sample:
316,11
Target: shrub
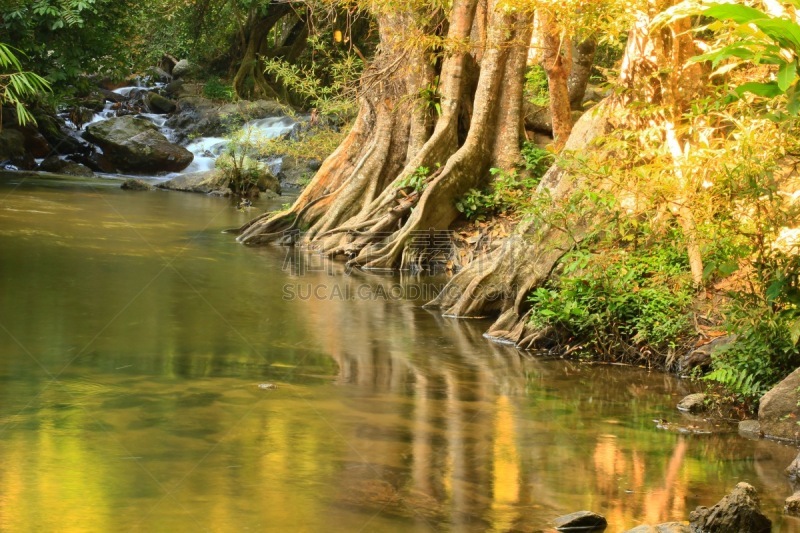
215,89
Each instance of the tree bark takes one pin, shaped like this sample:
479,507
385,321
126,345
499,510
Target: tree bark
359,204
556,60
582,60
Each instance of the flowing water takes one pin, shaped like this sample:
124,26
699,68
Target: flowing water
134,336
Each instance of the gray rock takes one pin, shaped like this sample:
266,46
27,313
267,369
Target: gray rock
666,527
295,172
205,182
182,69
133,184
738,512
750,428
12,144
159,104
701,357
57,165
793,470
136,145
792,505
693,403
581,521
196,116
778,411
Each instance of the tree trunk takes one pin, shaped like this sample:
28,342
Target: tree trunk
582,60
251,66
556,60
360,204
502,282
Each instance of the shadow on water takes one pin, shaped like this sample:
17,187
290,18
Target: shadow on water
134,336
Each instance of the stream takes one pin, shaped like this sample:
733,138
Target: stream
158,376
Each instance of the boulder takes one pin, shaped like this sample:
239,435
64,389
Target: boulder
296,172
111,96
133,184
58,136
750,429
12,144
666,527
196,116
205,182
793,470
182,69
701,356
581,521
738,512
693,403
159,104
57,165
136,145
791,506
778,410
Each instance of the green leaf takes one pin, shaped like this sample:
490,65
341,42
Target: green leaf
794,330
767,90
735,12
786,75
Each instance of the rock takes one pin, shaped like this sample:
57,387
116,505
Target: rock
778,410
701,356
56,133
182,69
12,144
57,165
159,104
693,403
750,429
295,172
268,182
95,101
581,521
205,182
111,96
793,470
538,119
159,74
666,527
196,116
136,145
133,184
792,505
738,512
174,88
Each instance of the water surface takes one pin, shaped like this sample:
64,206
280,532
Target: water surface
134,335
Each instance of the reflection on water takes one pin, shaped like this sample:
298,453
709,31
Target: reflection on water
134,334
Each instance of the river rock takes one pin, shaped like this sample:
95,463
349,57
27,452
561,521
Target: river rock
793,470
182,69
666,527
296,172
701,357
12,144
136,145
778,410
196,116
133,184
58,136
693,403
205,181
57,165
750,429
159,104
738,512
581,521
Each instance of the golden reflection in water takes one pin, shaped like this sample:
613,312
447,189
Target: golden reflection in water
421,424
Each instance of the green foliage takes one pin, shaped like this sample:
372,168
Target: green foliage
240,169
748,35
216,89
17,86
536,89
508,191
327,82
764,352
617,302
416,181
430,98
